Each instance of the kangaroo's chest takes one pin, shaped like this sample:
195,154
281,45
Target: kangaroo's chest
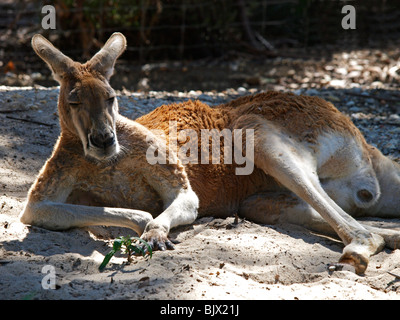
113,187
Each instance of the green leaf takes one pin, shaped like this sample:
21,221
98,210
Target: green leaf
147,245
116,247
118,244
127,243
107,259
137,250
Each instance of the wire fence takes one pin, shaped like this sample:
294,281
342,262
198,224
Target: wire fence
192,29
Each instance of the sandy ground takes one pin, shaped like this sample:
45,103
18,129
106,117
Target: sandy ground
214,259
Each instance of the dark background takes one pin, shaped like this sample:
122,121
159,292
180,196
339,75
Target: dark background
209,44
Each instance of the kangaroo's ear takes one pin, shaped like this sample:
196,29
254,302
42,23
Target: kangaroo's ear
104,60
57,61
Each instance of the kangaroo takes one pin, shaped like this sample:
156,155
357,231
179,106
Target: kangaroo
311,165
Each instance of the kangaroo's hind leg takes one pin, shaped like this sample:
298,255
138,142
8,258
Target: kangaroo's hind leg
285,207
293,165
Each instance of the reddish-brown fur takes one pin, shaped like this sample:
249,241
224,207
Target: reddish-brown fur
219,189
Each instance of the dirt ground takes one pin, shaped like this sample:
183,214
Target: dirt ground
214,259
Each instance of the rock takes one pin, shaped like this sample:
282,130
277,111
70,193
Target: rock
242,90
394,119
336,83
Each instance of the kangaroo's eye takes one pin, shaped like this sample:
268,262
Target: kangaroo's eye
110,100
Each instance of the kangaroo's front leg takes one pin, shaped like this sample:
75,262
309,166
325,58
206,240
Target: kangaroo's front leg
62,216
180,201
46,206
183,210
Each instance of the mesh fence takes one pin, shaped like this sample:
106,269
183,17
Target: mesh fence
192,29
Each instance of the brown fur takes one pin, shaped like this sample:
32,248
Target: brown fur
220,191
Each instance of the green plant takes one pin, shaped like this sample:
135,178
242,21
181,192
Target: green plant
130,246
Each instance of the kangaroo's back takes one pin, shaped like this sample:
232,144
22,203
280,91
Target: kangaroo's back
305,117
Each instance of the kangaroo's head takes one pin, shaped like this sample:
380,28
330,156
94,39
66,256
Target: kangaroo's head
87,104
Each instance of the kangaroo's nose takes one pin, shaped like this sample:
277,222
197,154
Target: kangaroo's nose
102,140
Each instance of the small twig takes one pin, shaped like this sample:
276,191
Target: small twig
265,43
236,221
12,111
393,274
31,121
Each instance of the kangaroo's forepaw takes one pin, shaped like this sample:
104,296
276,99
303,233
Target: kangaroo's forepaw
157,239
